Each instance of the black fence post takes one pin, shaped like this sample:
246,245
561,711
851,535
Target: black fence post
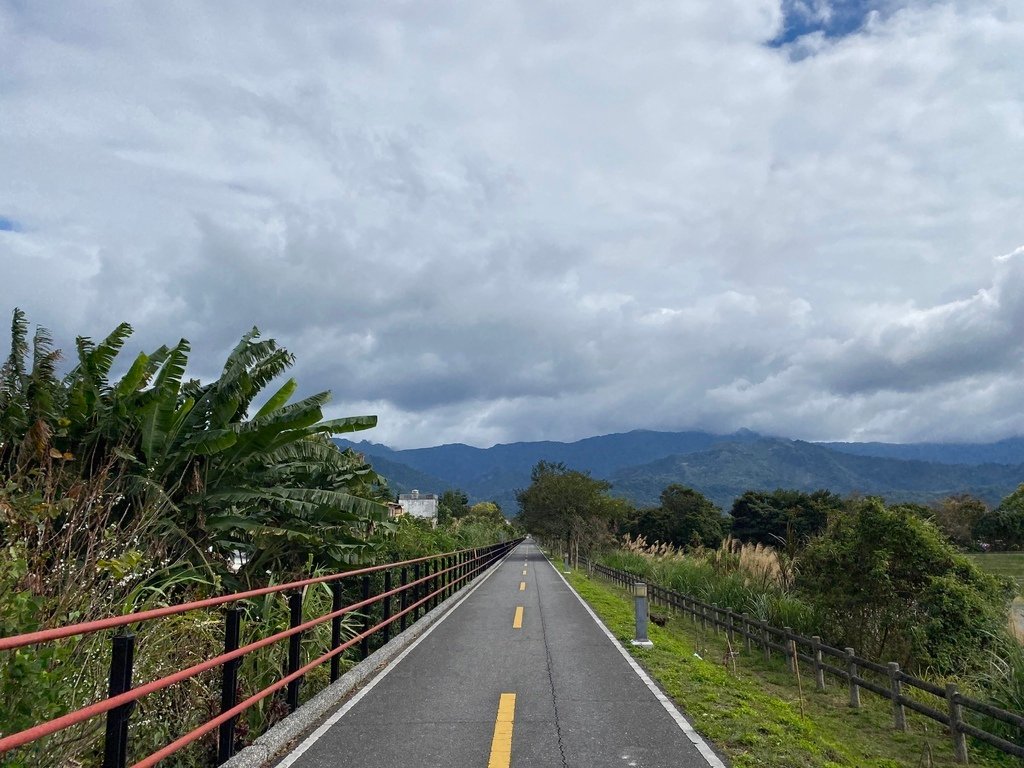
229,684
386,609
403,601
337,602
364,644
115,744
431,584
442,580
294,649
416,591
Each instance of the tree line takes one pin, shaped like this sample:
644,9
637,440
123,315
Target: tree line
572,506
887,579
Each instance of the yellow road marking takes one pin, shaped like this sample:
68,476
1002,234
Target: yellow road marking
522,586
517,622
501,743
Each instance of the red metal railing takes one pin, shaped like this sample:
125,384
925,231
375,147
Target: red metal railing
442,575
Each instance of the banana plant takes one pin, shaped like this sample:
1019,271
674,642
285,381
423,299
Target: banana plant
271,490
269,487
31,397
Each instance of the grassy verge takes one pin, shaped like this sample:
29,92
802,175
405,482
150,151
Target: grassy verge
753,714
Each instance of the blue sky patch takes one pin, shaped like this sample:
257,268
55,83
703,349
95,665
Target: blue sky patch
835,18
8,225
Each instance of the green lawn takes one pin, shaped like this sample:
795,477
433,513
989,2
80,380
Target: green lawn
753,715
1002,564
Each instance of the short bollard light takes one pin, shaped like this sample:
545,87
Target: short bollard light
640,603
565,563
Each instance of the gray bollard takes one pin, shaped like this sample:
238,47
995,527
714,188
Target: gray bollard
565,563
640,604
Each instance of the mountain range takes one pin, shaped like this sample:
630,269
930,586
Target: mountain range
641,463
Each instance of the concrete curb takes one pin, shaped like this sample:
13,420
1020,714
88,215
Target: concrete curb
271,746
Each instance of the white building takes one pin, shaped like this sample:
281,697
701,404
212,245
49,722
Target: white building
419,504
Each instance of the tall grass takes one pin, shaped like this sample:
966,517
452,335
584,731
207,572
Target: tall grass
758,581
749,578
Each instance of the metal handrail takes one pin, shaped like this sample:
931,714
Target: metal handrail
460,566
88,627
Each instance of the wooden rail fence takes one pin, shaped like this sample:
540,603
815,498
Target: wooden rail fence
888,680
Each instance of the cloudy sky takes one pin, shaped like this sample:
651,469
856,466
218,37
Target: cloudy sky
539,219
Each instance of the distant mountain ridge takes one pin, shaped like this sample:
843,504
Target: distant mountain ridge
727,470
495,473
1008,451
642,462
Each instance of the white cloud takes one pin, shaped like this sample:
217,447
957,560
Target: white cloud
519,220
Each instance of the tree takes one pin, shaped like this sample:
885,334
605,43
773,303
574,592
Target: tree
1003,528
486,511
956,516
891,586
782,516
453,504
685,518
567,505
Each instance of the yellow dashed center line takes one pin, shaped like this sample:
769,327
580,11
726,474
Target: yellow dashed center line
517,622
501,744
522,586
524,571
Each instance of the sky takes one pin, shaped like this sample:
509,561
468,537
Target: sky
501,221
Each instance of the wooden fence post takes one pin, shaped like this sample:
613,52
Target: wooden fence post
790,649
746,632
851,669
819,673
899,714
956,719
714,617
729,629
764,640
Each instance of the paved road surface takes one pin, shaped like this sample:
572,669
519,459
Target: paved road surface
481,691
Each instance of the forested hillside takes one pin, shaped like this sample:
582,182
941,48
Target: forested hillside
641,463
726,471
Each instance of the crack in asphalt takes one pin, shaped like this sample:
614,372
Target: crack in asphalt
551,680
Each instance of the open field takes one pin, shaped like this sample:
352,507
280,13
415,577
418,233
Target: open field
1007,564
1002,564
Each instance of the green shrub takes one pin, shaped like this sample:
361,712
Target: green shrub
889,584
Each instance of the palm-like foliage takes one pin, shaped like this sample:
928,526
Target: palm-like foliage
268,490
30,396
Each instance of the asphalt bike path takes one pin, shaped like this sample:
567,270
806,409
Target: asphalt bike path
519,675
